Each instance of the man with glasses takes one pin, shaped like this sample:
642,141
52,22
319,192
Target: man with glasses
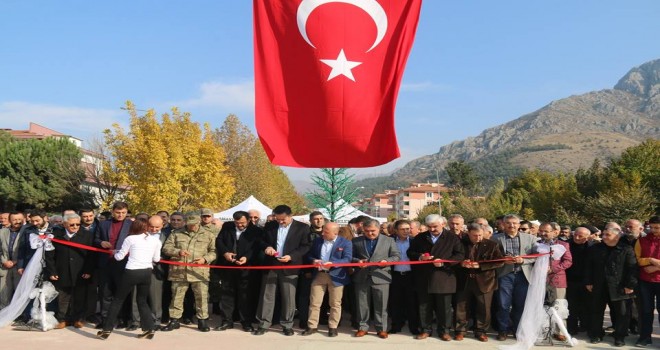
255,216
524,226
70,269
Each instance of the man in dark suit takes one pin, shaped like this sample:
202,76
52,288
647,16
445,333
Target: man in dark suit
436,282
111,235
285,242
477,281
70,270
327,250
373,283
403,299
237,245
611,277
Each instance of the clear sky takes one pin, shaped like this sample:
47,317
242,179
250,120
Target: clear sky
70,65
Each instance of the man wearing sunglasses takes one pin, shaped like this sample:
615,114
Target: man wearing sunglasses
70,269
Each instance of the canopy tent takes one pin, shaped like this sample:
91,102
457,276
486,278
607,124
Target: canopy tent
346,213
248,204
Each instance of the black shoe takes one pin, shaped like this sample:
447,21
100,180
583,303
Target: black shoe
595,340
131,328
642,343
186,321
260,331
202,326
308,331
332,332
103,334
633,331
288,332
147,334
174,324
224,326
248,328
619,342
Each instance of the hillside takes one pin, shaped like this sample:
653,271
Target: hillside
562,136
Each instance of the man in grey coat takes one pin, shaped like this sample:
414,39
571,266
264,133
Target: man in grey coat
373,282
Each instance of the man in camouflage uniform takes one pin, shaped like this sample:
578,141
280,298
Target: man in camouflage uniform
190,245
214,279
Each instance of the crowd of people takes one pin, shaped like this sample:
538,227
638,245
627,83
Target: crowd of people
154,273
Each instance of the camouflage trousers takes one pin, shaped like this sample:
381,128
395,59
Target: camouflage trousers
201,292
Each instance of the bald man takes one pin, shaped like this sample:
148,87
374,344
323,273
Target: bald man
328,250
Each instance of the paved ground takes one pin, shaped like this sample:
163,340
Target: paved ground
189,338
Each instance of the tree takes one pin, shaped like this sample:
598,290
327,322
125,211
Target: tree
173,164
641,161
335,191
620,204
104,175
41,173
462,177
543,193
248,163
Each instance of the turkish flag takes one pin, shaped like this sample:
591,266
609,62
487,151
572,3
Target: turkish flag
327,74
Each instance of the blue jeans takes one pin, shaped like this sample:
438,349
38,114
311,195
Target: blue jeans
650,298
511,297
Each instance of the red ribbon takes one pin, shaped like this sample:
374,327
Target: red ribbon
286,267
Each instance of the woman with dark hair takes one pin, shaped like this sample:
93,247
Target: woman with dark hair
143,250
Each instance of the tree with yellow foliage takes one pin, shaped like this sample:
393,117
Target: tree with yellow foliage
249,165
169,165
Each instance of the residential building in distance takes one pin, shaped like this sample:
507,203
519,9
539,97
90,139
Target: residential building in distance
405,203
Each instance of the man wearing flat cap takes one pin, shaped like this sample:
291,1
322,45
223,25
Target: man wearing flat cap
195,245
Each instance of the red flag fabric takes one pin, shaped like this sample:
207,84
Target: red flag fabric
327,74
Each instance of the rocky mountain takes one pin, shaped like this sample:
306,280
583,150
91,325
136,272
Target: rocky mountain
562,136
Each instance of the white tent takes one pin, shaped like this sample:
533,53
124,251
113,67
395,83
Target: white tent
346,213
248,204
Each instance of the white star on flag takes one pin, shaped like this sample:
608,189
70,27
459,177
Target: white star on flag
341,66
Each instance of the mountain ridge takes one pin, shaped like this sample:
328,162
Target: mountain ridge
563,135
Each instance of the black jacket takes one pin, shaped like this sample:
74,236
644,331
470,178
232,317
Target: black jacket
428,277
575,273
70,263
612,268
247,245
296,245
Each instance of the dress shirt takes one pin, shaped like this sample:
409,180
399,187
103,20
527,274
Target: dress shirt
403,248
282,232
326,249
69,235
435,238
142,251
512,248
238,234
